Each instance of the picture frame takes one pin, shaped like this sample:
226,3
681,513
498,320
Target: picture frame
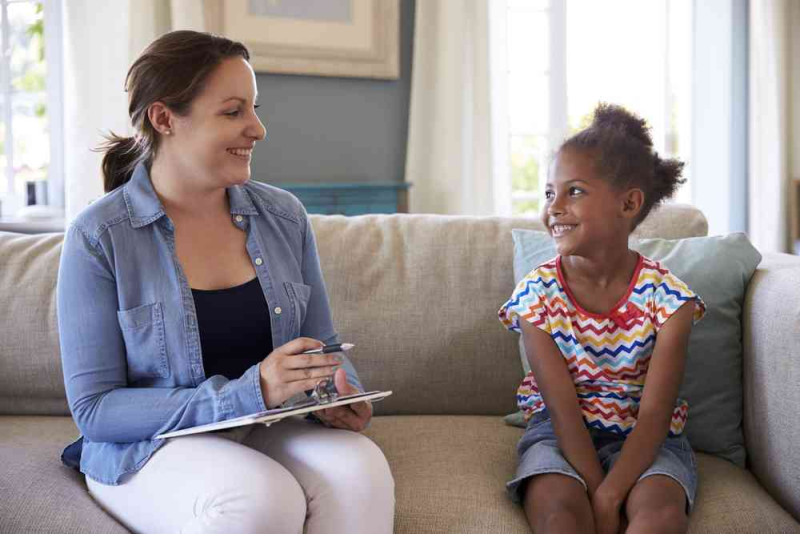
349,38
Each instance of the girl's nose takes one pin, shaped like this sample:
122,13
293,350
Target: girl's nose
555,207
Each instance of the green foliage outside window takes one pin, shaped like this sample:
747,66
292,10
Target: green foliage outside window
525,173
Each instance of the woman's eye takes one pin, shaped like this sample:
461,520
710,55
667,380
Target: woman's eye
257,106
575,190
234,113
548,195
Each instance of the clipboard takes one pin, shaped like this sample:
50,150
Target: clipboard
319,400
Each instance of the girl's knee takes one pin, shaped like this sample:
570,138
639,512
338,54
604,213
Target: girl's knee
666,519
557,503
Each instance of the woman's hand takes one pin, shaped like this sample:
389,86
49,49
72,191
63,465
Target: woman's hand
286,372
354,416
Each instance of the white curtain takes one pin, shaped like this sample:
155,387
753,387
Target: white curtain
773,54
453,133
101,39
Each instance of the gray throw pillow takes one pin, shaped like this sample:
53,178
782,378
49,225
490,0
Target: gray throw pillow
718,268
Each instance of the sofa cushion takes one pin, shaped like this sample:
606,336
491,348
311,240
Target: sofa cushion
450,474
30,368
718,269
38,493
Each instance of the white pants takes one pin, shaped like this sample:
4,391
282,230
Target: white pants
292,476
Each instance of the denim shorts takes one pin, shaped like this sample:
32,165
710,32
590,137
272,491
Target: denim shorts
539,453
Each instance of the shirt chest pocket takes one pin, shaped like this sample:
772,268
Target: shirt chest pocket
143,331
299,295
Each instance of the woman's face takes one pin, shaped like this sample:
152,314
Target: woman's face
214,142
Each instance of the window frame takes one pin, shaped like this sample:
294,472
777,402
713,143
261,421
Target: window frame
558,105
54,97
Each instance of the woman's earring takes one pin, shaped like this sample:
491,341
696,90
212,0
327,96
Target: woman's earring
167,132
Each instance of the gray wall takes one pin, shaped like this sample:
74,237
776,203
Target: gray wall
323,129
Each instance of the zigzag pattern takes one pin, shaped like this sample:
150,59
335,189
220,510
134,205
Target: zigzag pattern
607,355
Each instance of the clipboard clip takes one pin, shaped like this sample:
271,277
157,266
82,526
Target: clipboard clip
325,392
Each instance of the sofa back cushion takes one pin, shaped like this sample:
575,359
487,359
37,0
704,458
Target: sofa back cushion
30,368
418,294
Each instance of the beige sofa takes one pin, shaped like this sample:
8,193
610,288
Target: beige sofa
418,295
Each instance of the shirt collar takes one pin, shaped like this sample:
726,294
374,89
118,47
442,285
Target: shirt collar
144,207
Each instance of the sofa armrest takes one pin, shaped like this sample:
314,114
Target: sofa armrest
771,321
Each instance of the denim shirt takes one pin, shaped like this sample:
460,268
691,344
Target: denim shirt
130,345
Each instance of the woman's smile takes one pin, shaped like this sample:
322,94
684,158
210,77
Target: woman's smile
242,153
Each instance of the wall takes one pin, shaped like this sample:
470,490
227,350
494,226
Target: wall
323,129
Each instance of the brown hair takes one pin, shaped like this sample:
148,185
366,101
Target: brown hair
622,148
173,69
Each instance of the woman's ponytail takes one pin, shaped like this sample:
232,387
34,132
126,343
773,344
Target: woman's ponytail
122,154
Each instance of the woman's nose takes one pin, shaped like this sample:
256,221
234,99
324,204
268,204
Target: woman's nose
257,129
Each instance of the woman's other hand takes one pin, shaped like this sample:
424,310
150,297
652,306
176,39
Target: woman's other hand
286,372
354,416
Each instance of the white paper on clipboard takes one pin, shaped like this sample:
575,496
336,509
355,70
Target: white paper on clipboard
272,416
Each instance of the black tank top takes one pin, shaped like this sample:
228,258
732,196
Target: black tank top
235,331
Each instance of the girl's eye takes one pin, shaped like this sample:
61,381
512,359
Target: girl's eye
548,195
575,191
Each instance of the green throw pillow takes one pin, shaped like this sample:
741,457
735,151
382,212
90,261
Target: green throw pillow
717,268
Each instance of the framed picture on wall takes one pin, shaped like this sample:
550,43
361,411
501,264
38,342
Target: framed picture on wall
353,38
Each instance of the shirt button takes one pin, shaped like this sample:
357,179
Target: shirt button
278,310
259,261
239,218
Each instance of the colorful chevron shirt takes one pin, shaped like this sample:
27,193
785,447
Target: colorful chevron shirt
607,354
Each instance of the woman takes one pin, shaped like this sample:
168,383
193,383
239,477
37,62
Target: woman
172,289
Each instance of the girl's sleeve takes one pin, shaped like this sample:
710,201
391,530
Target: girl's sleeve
528,302
670,295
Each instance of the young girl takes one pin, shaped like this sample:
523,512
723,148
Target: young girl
599,320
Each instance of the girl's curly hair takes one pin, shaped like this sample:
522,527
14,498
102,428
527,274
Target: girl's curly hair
621,144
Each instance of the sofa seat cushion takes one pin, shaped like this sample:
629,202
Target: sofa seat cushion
39,494
450,474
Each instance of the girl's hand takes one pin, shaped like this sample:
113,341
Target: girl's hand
286,372
354,416
606,506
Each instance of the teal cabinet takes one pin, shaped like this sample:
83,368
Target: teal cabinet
351,198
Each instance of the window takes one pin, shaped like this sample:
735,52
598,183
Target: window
565,56
30,88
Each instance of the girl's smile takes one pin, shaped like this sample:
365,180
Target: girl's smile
558,230
582,212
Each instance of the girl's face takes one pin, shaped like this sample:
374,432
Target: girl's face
582,212
214,142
